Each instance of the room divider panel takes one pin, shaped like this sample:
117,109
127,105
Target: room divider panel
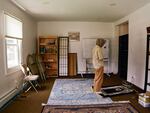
147,69
63,49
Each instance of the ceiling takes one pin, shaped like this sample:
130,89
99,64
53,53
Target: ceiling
81,10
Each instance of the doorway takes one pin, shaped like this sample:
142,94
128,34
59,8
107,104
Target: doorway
123,57
123,51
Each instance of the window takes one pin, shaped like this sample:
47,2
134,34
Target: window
13,39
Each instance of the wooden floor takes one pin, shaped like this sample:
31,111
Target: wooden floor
32,102
132,97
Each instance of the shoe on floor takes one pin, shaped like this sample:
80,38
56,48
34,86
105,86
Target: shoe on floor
97,92
92,89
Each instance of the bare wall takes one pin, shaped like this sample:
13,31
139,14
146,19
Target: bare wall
13,80
138,21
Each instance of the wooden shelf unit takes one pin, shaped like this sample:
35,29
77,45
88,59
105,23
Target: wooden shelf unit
48,49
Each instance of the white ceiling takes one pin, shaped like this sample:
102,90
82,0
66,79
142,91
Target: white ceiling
81,10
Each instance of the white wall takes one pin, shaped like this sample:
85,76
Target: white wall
10,81
86,29
138,21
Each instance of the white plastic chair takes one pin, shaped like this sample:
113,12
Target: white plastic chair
28,77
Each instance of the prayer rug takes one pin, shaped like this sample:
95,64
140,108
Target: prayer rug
75,92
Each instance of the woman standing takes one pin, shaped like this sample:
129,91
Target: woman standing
98,64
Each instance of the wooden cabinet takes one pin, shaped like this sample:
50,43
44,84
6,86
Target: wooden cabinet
48,49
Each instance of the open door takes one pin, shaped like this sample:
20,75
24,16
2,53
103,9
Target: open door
123,56
123,51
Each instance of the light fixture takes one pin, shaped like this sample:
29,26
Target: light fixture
112,4
45,2
17,4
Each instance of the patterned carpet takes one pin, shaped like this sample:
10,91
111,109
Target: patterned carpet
109,108
75,92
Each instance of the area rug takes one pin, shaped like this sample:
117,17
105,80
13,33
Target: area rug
75,92
109,108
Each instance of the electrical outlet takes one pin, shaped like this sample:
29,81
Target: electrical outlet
132,79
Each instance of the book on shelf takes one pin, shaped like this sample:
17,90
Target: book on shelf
42,50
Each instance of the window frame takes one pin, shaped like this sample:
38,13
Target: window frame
16,68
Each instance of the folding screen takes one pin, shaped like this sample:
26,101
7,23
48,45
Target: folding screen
63,48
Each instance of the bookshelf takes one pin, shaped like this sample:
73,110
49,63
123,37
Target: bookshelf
48,49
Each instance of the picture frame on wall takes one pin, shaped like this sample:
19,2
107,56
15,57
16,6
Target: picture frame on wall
74,36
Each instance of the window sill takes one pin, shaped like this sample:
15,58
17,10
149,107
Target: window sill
12,71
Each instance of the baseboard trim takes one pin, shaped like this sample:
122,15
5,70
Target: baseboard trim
6,95
10,98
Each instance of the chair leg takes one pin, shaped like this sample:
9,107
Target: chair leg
37,84
33,86
28,89
41,75
44,76
82,75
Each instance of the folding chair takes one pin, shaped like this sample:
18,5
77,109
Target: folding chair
41,67
36,67
28,77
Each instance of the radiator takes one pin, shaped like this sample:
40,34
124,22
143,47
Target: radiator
8,94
